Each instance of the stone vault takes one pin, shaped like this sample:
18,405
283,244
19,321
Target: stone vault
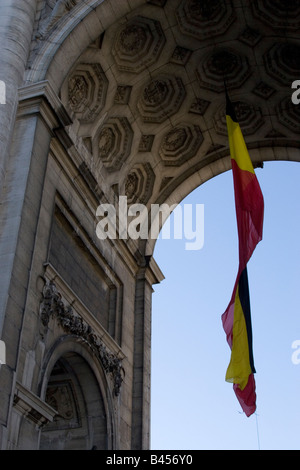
107,98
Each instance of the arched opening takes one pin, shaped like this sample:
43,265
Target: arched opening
81,422
192,405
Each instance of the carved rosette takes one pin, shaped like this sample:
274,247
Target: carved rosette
205,18
85,91
223,63
180,144
139,184
138,44
52,306
249,118
180,55
113,143
161,98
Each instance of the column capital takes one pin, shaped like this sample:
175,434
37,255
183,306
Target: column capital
40,98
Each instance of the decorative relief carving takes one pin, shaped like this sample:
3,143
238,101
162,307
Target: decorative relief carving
199,106
62,398
155,92
131,186
122,94
53,12
264,90
180,144
282,62
250,36
138,44
289,114
180,55
205,18
279,14
106,142
78,91
250,119
139,184
113,142
161,98
52,306
146,143
223,63
85,91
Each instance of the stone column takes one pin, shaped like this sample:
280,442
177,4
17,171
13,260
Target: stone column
16,29
39,113
147,276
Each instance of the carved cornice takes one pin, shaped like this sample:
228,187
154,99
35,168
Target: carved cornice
40,99
52,306
32,407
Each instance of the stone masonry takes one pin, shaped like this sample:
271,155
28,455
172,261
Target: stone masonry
109,98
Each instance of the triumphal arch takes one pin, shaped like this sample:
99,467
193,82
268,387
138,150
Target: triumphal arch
102,99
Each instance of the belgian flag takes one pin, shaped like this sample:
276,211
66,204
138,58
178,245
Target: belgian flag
236,319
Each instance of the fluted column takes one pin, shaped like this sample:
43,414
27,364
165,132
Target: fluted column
16,28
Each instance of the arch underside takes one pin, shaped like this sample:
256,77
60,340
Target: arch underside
80,420
144,85
121,98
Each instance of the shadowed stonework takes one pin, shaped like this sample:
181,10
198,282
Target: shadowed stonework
106,99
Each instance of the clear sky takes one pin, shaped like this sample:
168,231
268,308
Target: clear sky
192,405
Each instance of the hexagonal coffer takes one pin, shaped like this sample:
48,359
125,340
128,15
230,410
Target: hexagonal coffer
283,15
206,18
85,91
161,98
138,44
223,64
112,143
180,144
282,62
249,118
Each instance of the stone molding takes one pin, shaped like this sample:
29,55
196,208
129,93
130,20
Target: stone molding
40,98
32,407
53,306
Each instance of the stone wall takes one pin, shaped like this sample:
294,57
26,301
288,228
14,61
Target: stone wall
109,99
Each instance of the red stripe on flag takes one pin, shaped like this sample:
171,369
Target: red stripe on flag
247,397
249,212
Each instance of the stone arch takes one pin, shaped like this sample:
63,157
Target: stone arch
74,384
158,103
196,178
125,98
87,21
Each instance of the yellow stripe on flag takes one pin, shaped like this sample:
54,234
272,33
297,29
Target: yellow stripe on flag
238,149
239,367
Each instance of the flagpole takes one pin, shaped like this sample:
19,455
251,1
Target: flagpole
257,431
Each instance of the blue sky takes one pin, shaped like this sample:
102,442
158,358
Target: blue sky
192,405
